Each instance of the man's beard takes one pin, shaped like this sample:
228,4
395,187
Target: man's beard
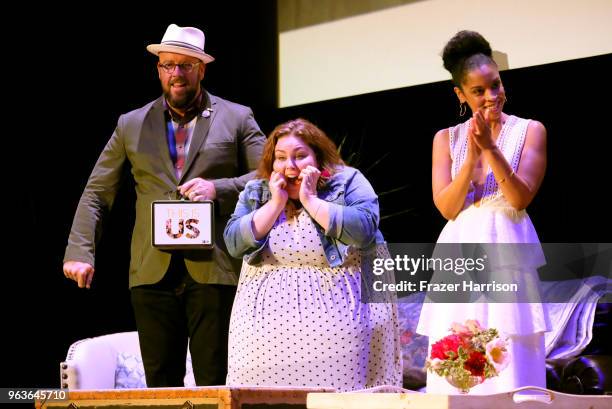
182,101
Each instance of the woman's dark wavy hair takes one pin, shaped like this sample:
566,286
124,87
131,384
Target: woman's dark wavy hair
324,148
466,50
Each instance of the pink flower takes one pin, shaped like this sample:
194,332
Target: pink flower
470,328
497,354
460,329
473,325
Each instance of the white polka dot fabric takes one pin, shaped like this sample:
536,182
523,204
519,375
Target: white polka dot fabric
298,322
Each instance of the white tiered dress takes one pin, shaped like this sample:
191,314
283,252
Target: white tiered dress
296,321
494,221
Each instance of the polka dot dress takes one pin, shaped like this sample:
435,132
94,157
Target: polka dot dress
298,322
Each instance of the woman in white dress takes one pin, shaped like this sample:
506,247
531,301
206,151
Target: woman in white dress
485,172
306,227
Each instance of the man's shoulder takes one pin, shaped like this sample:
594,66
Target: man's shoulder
140,113
225,104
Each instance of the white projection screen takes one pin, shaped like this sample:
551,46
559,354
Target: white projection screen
336,48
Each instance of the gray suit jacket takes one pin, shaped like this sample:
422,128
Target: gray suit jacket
223,149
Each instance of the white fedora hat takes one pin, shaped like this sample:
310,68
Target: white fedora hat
182,40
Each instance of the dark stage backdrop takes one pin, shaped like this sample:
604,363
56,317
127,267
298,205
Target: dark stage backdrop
89,70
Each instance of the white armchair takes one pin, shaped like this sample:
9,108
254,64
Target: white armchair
108,362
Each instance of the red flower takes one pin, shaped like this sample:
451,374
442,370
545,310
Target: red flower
476,363
447,344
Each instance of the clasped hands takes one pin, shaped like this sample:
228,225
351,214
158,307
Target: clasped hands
479,135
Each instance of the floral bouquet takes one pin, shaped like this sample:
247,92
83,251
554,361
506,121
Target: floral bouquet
469,355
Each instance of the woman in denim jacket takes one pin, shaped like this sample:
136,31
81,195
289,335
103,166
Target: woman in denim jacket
305,228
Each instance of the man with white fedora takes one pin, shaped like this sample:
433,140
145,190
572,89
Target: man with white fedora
187,144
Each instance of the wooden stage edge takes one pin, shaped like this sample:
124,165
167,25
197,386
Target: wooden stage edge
222,397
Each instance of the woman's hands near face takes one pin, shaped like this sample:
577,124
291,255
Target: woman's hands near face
278,185
309,177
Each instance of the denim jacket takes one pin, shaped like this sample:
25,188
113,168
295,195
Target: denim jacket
353,218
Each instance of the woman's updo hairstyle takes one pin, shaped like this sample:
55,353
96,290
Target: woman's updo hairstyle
466,50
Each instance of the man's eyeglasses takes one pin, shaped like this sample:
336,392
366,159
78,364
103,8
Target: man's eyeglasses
186,67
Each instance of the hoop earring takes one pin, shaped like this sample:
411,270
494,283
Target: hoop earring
462,108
